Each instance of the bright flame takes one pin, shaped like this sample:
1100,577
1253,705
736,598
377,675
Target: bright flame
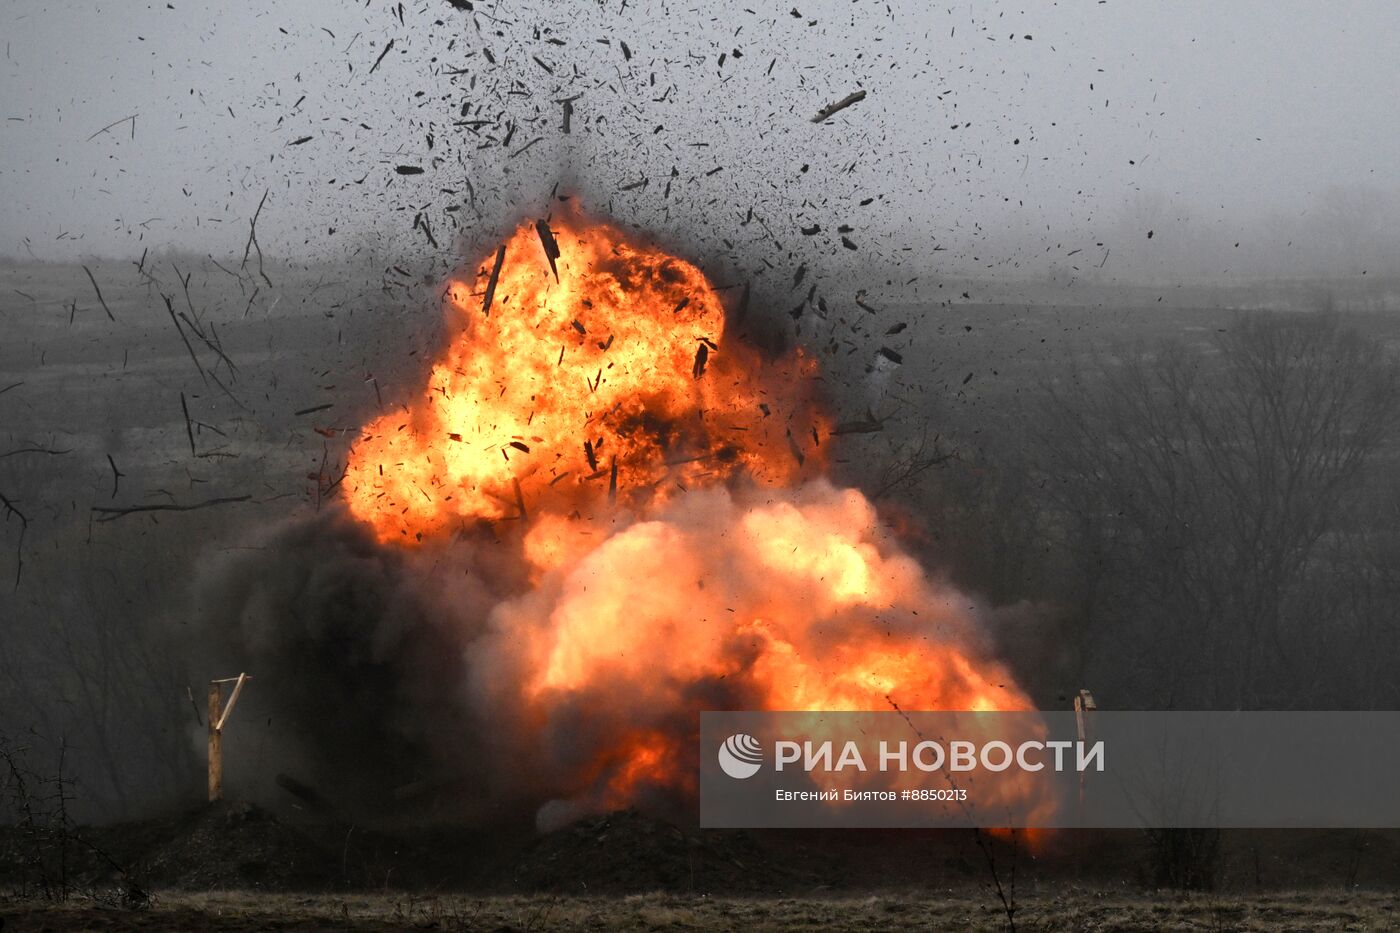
679,559
619,365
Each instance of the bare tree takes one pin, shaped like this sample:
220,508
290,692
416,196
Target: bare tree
1197,482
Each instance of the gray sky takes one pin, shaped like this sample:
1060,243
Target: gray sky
1018,139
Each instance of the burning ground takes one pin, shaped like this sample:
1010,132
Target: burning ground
601,514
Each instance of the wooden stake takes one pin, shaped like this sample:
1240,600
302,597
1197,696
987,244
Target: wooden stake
1083,705
218,718
216,754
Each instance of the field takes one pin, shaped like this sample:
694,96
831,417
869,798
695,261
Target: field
1072,910
236,867
140,439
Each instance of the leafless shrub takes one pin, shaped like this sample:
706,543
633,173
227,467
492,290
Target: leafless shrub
1185,859
44,840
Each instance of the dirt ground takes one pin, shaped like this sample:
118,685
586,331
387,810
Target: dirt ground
1072,910
236,867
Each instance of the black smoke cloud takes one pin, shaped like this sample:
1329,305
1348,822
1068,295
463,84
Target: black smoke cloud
357,651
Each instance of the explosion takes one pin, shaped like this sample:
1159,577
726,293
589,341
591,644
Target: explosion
670,542
655,485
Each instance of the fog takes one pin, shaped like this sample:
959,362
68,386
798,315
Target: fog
1099,300
1247,140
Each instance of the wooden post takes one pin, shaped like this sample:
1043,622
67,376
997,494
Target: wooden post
1083,705
216,754
218,717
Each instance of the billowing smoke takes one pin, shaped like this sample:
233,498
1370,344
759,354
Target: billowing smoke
357,651
562,666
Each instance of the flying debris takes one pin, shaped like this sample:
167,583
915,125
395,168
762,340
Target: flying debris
831,109
870,424
551,246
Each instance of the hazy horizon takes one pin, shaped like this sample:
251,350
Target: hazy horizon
1250,140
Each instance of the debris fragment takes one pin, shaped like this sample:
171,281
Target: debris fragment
387,46
491,282
99,293
551,245
189,428
112,514
109,126
826,112
116,475
867,425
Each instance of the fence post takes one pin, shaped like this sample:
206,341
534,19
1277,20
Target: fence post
218,716
216,752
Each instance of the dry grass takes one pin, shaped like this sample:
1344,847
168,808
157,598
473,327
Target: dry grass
1077,910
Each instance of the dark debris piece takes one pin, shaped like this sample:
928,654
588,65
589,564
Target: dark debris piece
826,112
491,282
387,46
551,245
99,293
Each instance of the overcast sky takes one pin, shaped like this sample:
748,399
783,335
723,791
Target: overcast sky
1026,139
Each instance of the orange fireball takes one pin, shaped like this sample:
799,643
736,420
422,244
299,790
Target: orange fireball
586,364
